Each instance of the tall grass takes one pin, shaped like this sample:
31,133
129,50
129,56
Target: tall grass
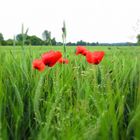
68,102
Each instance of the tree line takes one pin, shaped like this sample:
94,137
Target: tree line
29,40
48,40
35,41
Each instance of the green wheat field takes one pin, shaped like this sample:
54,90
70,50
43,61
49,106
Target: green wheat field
75,101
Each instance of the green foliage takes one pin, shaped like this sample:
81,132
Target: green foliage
47,37
25,39
20,38
81,43
68,102
34,40
1,37
30,40
53,41
138,39
9,42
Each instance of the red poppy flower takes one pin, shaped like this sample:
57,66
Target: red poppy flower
81,50
38,64
95,57
51,57
63,61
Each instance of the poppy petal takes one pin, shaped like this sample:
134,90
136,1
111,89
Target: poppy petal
95,57
81,50
38,64
51,57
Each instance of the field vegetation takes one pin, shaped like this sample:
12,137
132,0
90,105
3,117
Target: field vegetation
74,101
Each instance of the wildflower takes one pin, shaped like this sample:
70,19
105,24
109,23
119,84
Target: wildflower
95,57
63,61
81,50
51,57
38,64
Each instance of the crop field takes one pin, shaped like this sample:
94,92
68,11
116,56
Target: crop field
74,101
